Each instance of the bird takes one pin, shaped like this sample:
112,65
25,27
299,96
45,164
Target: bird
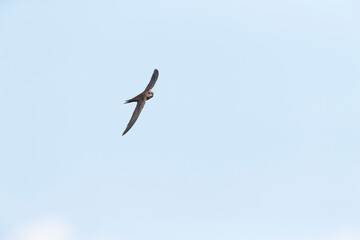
141,99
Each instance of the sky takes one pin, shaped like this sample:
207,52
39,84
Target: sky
252,134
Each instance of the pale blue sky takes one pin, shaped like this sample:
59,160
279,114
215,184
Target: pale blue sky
253,132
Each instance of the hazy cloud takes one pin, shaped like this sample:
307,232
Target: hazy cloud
56,229
346,234
44,229
50,229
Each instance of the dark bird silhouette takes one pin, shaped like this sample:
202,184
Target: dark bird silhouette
141,99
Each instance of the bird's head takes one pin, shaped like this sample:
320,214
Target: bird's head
149,95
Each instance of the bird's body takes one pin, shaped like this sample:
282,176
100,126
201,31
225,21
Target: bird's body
141,99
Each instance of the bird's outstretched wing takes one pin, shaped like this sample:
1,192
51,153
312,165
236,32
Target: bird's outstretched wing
139,106
152,80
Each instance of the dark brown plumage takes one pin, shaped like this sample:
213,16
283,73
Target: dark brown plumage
140,100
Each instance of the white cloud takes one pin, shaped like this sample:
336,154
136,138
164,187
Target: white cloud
50,229
44,229
346,234
55,229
